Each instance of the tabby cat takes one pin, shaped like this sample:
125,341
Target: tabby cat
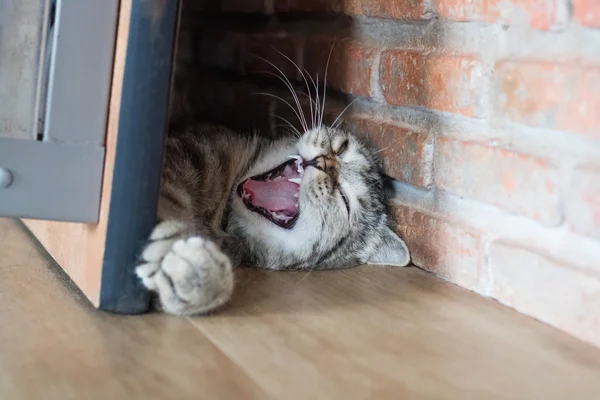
317,200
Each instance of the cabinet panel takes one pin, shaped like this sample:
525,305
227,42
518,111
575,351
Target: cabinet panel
51,181
80,71
56,63
100,258
23,33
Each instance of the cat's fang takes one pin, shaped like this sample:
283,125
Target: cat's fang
295,180
299,161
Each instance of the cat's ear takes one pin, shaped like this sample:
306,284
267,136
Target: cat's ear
392,251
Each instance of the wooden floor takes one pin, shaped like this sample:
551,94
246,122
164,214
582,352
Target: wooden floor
368,333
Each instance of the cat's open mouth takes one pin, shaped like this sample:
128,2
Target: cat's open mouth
275,193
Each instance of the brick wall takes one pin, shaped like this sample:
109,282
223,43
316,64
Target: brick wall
487,111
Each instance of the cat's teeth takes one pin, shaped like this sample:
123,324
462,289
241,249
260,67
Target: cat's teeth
295,180
296,205
299,162
282,217
296,195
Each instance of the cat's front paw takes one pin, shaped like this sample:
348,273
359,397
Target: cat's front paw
191,276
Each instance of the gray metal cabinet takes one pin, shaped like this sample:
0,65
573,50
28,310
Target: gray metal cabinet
84,89
56,59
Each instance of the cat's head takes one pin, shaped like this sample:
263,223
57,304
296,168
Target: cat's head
319,201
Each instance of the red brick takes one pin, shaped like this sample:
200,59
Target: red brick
308,5
269,46
446,83
350,66
403,9
547,290
539,14
582,204
248,6
442,248
223,51
511,181
587,12
547,95
407,155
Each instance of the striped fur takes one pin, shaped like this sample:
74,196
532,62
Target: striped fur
205,230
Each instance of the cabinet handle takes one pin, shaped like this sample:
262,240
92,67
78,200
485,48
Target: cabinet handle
6,178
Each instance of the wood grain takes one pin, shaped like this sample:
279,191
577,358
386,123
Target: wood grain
54,345
393,333
79,248
366,333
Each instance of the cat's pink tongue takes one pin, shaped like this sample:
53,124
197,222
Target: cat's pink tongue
273,195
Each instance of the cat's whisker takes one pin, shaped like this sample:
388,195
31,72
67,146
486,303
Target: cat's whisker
312,102
305,276
380,150
325,84
286,102
288,123
290,87
287,83
287,129
333,125
321,216
330,196
317,102
312,113
317,90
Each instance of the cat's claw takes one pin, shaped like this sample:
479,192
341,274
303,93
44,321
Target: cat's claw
191,275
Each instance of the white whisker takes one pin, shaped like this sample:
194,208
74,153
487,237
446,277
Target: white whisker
309,98
295,97
305,276
286,129
380,150
286,102
312,115
288,84
343,111
287,122
317,90
290,87
317,103
325,83
289,127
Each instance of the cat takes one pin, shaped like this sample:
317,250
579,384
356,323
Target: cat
317,199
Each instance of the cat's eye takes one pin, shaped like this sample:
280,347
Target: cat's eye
346,202
342,148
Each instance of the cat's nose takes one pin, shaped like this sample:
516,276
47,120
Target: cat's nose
323,163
